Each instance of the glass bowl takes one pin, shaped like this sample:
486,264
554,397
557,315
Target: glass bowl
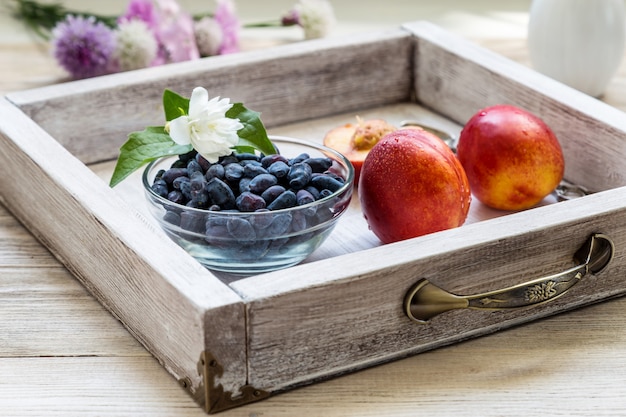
258,241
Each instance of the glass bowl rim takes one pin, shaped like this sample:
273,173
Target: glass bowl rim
348,184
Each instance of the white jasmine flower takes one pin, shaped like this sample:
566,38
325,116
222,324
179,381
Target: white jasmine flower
209,36
136,46
206,127
316,17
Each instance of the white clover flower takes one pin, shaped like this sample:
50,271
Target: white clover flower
206,127
136,46
209,36
316,17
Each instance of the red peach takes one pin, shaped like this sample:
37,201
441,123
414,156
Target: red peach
412,184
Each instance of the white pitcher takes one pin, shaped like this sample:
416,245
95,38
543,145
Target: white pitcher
577,42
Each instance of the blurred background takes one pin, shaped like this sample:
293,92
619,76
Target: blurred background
498,24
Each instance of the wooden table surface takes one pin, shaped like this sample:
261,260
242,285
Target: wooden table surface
63,354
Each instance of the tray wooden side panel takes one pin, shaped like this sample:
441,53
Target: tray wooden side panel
347,313
171,304
286,83
457,78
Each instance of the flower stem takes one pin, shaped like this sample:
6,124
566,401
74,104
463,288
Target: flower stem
42,18
268,24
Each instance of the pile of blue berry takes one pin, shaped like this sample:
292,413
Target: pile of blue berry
255,188
247,182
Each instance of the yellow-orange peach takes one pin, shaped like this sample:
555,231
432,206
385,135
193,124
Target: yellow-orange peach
512,159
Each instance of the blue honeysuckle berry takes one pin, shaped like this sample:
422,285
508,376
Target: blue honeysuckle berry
248,202
272,180
279,169
233,172
285,200
322,182
262,182
319,164
299,175
271,193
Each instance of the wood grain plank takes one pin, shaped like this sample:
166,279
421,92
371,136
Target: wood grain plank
19,248
51,304
83,386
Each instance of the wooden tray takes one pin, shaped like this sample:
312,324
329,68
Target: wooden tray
231,341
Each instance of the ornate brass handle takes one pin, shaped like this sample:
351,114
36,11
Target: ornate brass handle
425,300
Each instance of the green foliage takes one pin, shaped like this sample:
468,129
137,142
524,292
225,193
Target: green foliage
154,142
41,18
174,105
253,134
142,148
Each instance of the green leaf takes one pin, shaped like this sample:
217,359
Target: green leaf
244,149
143,147
174,105
253,133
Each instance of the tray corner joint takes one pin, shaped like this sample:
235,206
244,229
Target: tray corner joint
216,399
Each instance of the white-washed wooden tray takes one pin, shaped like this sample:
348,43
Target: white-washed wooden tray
230,341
